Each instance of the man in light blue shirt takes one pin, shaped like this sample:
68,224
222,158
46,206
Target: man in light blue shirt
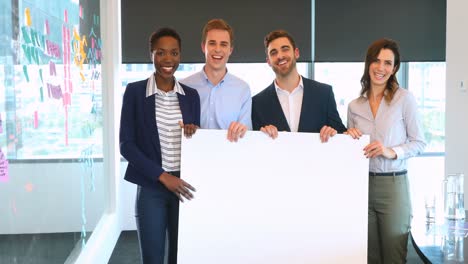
226,101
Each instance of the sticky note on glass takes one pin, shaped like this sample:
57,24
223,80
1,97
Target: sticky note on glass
27,17
3,168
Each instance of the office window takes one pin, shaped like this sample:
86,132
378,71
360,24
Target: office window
426,80
53,191
345,79
257,75
50,101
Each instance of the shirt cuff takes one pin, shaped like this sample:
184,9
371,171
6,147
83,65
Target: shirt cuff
400,153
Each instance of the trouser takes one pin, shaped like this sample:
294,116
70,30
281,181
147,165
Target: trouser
389,219
157,215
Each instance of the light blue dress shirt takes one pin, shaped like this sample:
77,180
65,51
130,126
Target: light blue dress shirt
396,125
230,100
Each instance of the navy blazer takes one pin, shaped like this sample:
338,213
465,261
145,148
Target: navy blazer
318,109
139,138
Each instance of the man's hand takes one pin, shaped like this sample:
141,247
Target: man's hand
270,130
354,133
189,129
236,130
327,132
178,186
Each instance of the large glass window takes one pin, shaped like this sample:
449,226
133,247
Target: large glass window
50,105
345,80
426,80
52,190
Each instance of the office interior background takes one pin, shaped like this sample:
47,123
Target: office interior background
64,66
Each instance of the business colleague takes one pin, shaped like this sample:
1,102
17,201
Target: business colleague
226,101
153,112
389,114
293,103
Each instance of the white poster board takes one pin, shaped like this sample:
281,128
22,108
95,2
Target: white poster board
288,200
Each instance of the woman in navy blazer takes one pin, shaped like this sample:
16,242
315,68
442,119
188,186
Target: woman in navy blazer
154,111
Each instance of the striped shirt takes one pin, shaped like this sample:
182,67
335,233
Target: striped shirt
168,115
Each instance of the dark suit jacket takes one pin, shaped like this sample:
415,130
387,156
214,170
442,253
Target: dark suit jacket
318,109
139,138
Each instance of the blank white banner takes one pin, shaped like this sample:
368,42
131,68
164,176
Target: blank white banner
288,200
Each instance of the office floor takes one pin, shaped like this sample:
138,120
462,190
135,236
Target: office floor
127,251
37,248
55,248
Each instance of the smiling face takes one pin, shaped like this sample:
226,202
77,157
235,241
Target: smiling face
217,49
382,68
281,56
166,57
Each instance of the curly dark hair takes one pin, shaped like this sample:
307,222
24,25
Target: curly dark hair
163,32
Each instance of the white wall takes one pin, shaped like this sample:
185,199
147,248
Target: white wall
456,144
127,205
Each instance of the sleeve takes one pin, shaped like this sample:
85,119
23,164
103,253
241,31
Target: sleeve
415,142
256,122
196,108
334,119
245,115
350,121
127,137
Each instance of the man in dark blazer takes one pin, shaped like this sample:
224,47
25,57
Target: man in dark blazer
293,103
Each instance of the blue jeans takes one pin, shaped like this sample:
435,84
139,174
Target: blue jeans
157,214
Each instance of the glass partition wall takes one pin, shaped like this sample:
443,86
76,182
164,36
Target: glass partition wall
52,189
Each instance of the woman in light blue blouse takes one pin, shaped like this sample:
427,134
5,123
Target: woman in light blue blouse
388,113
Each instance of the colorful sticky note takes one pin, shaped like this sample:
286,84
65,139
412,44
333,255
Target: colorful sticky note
65,16
4,176
40,75
46,27
35,54
26,34
27,17
41,91
25,71
29,187
52,70
36,119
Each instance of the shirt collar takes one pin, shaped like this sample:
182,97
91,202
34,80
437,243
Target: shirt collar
208,80
152,88
299,86
385,92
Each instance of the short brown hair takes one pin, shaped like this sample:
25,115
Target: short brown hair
372,54
218,23
280,33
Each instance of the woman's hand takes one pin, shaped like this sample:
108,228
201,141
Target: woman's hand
178,186
376,149
354,133
189,129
